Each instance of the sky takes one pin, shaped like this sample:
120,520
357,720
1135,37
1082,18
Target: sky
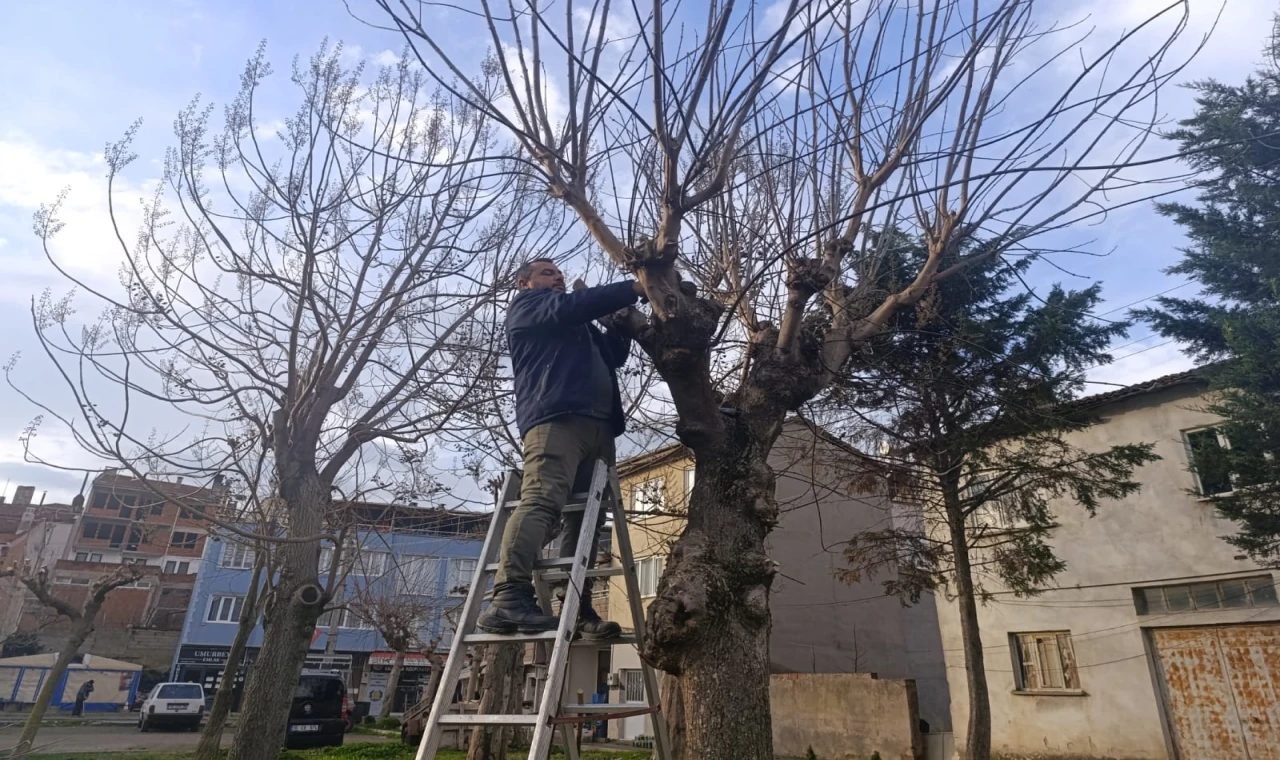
75,74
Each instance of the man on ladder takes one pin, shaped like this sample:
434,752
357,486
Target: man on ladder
569,411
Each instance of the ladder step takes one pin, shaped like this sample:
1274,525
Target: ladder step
489,720
595,572
577,502
607,707
524,638
557,563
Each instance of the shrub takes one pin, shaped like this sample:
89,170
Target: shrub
389,723
808,755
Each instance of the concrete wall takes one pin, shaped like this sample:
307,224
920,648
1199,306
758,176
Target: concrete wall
1162,535
820,623
152,650
844,716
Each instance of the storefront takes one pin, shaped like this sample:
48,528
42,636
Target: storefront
415,677
204,665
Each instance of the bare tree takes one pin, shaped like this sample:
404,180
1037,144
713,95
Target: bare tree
303,310
399,618
732,160
82,619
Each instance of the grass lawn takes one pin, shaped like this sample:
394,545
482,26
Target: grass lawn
388,751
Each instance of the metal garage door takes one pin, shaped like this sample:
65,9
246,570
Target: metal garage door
1221,687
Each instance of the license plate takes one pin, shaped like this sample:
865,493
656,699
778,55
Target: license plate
303,728
176,708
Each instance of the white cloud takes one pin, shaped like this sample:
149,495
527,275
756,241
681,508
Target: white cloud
1145,360
35,174
267,130
385,58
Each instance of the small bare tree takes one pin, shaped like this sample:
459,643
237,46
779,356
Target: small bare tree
82,619
399,618
732,161
303,308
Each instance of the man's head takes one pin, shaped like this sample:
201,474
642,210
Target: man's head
540,274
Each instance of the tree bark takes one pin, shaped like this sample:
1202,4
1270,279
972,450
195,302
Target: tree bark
490,742
393,682
79,633
673,713
711,615
289,620
978,734
211,739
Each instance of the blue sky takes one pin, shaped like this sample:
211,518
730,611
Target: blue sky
75,74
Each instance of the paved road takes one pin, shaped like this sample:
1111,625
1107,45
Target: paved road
122,739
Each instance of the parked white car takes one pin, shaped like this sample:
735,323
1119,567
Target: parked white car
173,704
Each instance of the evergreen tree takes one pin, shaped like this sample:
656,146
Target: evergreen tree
969,393
1233,140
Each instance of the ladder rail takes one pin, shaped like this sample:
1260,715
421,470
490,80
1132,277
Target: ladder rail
557,664
652,687
434,731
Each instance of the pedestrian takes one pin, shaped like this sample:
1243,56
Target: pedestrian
85,690
568,411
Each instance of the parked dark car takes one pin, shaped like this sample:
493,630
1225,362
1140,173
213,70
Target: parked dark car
317,717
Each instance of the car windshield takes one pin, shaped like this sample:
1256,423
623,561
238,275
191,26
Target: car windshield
180,691
319,688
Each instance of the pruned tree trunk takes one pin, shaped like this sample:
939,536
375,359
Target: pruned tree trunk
673,713
490,742
393,682
211,739
289,620
79,633
978,733
711,615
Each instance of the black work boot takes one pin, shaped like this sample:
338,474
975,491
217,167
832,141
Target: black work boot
515,611
590,625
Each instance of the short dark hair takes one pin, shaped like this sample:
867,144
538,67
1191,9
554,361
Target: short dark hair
526,269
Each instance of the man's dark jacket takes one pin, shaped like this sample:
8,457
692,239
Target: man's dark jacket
551,339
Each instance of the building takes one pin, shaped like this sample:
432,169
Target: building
424,556
154,522
115,683
1160,639
820,624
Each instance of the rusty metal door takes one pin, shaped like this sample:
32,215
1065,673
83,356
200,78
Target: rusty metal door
1221,688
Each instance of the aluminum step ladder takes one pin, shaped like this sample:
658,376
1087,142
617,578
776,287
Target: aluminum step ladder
551,711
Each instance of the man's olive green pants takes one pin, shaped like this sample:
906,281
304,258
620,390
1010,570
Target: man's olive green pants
559,459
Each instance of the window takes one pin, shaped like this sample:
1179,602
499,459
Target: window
100,500
649,497
690,476
173,566
64,580
88,557
183,540
1258,591
236,556
461,571
356,560
648,571
1046,662
349,619
1002,510
157,508
117,535
225,609
632,686
420,575
1206,453
180,691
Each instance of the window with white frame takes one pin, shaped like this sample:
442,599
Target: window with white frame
1206,458
632,686
236,556
1046,662
1001,509
419,575
690,477
461,572
649,497
648,571
88,557
172,567
349,619
224,609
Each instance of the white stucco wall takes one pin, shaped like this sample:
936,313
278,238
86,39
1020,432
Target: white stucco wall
1160,536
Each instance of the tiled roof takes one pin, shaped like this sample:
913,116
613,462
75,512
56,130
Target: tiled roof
1194,376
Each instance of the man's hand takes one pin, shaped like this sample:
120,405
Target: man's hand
579,285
